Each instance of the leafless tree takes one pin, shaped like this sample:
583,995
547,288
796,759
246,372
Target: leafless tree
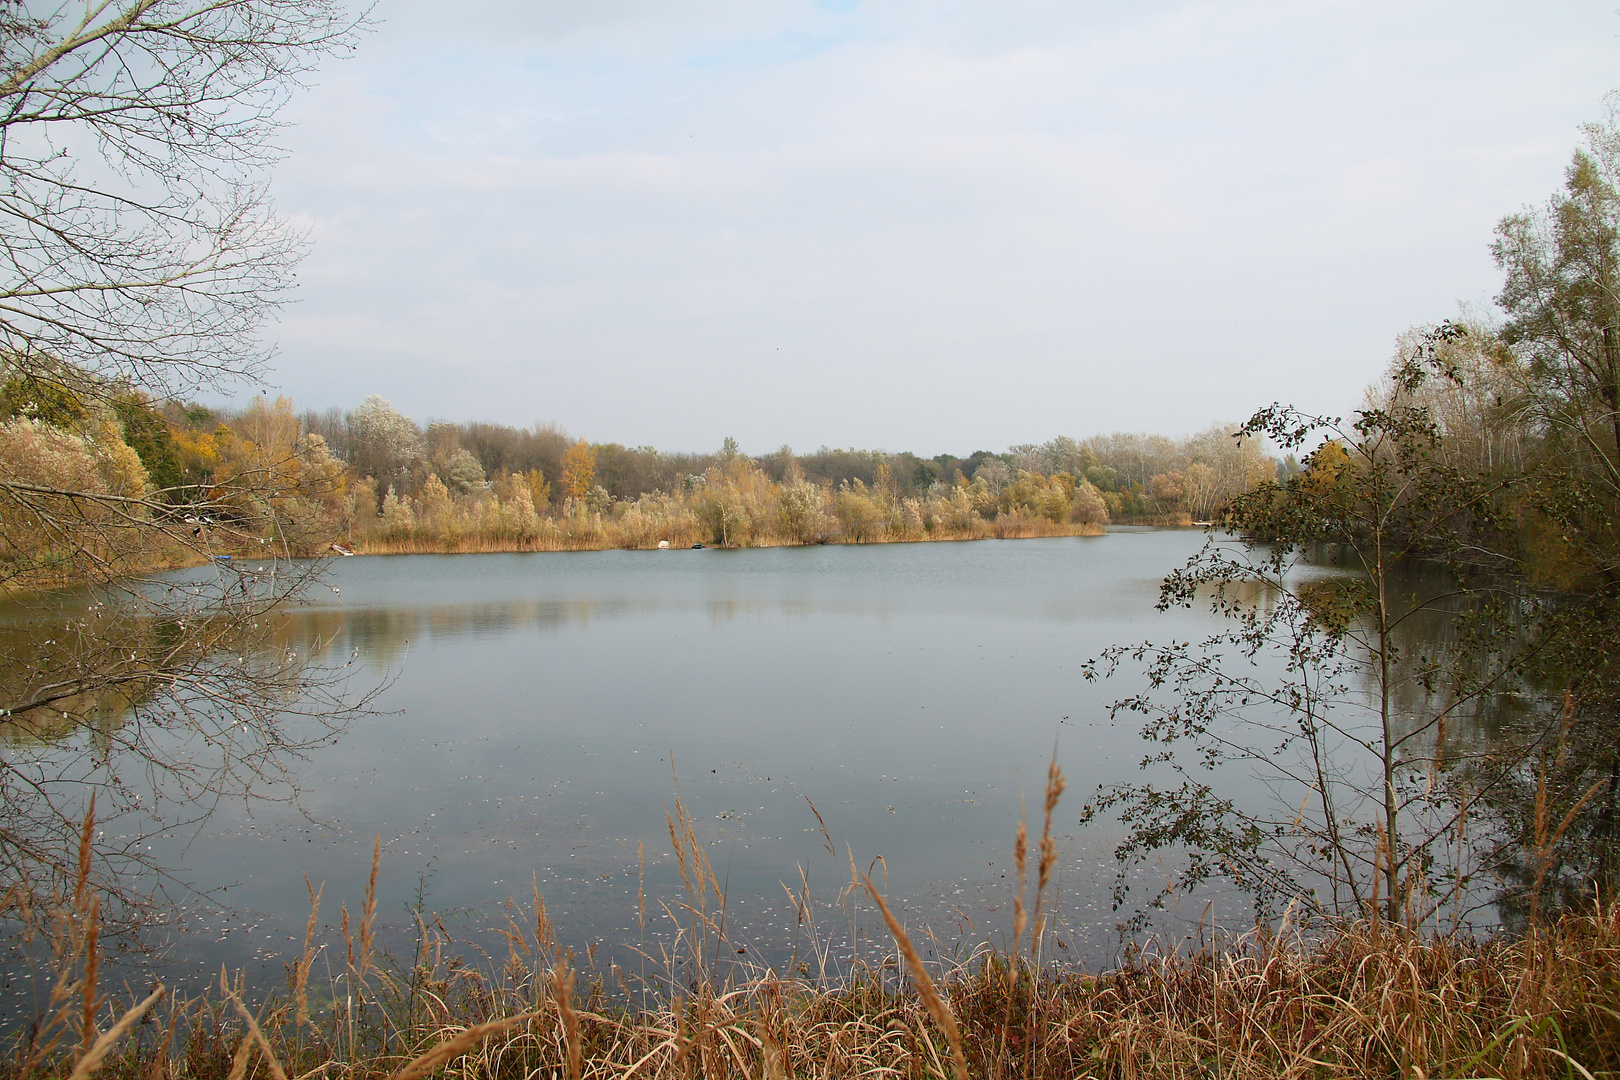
140,241
139,249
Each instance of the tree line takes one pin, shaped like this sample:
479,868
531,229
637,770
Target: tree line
374,478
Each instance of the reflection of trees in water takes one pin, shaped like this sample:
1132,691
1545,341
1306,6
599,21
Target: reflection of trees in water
1366,709
89,711
378,637
382,635
1446,643
1439,635
1559,809
1534,760
180,696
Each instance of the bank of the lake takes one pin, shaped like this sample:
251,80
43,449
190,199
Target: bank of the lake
1349,1000
595,534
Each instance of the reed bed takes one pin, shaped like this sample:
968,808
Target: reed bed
606,535
1359,1000
1351,999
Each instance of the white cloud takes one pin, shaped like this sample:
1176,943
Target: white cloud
911,225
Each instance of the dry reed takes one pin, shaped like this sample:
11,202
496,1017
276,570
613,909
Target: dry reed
1352,1000
1341,1000
925,986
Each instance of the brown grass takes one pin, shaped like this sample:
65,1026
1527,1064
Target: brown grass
925,985
1344,1000
1359,1000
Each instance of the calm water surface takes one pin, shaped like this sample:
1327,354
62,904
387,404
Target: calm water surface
543,706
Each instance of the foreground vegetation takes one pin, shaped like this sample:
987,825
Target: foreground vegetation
1361,1000
1339,999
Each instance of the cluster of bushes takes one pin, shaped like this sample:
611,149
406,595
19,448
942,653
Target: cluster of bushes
485,486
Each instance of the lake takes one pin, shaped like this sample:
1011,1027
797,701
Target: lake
542,708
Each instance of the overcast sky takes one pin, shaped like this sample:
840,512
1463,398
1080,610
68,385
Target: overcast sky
935,226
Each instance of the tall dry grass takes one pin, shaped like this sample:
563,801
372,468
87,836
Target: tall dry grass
1356,999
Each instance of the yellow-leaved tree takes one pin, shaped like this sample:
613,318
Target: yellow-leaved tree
579,470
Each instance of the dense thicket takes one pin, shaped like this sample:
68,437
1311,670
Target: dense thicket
831,494
375,478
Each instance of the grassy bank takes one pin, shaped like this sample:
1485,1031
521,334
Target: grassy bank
1351,999
1358,1000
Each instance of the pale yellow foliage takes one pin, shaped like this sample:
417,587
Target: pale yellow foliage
579,470
33,452
120,467
734,504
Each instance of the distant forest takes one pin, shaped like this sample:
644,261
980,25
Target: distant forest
462,485
1140,477
374,480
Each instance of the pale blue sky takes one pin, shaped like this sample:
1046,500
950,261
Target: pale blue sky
929,226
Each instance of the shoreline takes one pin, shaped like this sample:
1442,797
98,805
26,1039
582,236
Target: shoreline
480,546
560,545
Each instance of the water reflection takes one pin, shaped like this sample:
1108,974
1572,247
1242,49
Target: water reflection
911,691
541,706
1475,724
